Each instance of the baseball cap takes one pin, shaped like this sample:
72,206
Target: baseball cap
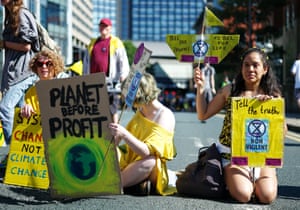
106,21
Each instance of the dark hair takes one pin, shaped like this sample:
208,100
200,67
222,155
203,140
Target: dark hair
268,83
12,16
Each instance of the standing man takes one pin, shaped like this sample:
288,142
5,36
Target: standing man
209,73
296,72
107,54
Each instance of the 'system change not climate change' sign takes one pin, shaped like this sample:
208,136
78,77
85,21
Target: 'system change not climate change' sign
26,165
80,154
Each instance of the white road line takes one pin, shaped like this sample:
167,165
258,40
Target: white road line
293,136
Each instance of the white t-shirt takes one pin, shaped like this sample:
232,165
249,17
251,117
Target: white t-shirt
296,71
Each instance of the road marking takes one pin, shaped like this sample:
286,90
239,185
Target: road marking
292,135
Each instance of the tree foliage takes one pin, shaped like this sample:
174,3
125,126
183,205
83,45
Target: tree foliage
130,49
252,20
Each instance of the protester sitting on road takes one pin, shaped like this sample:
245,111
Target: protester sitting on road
47,65
149,142
255,79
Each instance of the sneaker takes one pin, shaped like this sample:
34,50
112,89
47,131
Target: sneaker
141,189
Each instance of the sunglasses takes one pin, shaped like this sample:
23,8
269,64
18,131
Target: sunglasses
41,64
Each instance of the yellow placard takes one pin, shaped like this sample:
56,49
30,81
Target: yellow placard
2,139
211,19
209,48
257,132
26,164
77,67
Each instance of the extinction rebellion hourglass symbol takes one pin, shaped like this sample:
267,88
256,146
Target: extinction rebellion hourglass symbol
257,137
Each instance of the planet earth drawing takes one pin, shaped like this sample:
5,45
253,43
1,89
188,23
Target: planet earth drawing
81,162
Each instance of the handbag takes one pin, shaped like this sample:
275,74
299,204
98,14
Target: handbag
203,178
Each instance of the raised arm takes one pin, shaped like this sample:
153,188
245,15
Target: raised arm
204,110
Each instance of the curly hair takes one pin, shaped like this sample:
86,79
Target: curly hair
56,60
12,17
268,83
147,90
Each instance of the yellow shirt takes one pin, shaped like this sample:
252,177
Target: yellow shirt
160,143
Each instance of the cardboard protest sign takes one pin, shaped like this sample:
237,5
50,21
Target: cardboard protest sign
26,165
2,139
141,59
209,48
80,154
257,132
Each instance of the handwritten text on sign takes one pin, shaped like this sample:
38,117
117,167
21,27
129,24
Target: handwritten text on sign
84,100
257,132
81,157
27,163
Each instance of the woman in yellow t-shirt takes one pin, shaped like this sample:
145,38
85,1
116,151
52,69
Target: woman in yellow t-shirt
148,141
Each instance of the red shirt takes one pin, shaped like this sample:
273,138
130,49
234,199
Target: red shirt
100,56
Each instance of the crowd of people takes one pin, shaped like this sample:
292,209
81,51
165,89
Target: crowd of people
148,138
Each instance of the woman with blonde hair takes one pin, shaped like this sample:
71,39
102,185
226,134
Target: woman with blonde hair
148,141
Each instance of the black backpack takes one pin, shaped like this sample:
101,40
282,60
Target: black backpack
203,178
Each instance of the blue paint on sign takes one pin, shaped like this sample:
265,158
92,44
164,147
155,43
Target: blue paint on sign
132,89
200,48
257,136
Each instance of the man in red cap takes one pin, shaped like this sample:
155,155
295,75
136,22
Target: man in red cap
107,54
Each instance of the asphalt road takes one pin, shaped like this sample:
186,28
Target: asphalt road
190,135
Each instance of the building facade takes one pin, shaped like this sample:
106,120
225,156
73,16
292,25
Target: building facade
105,9
153,20
82,28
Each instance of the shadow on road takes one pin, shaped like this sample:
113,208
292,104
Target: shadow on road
289,192
291,145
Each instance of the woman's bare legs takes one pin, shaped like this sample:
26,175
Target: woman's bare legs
266,185
137,171
239,183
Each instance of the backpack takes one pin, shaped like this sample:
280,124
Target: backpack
205,177
45,40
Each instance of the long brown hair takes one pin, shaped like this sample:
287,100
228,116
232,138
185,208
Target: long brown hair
269,83
12,15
